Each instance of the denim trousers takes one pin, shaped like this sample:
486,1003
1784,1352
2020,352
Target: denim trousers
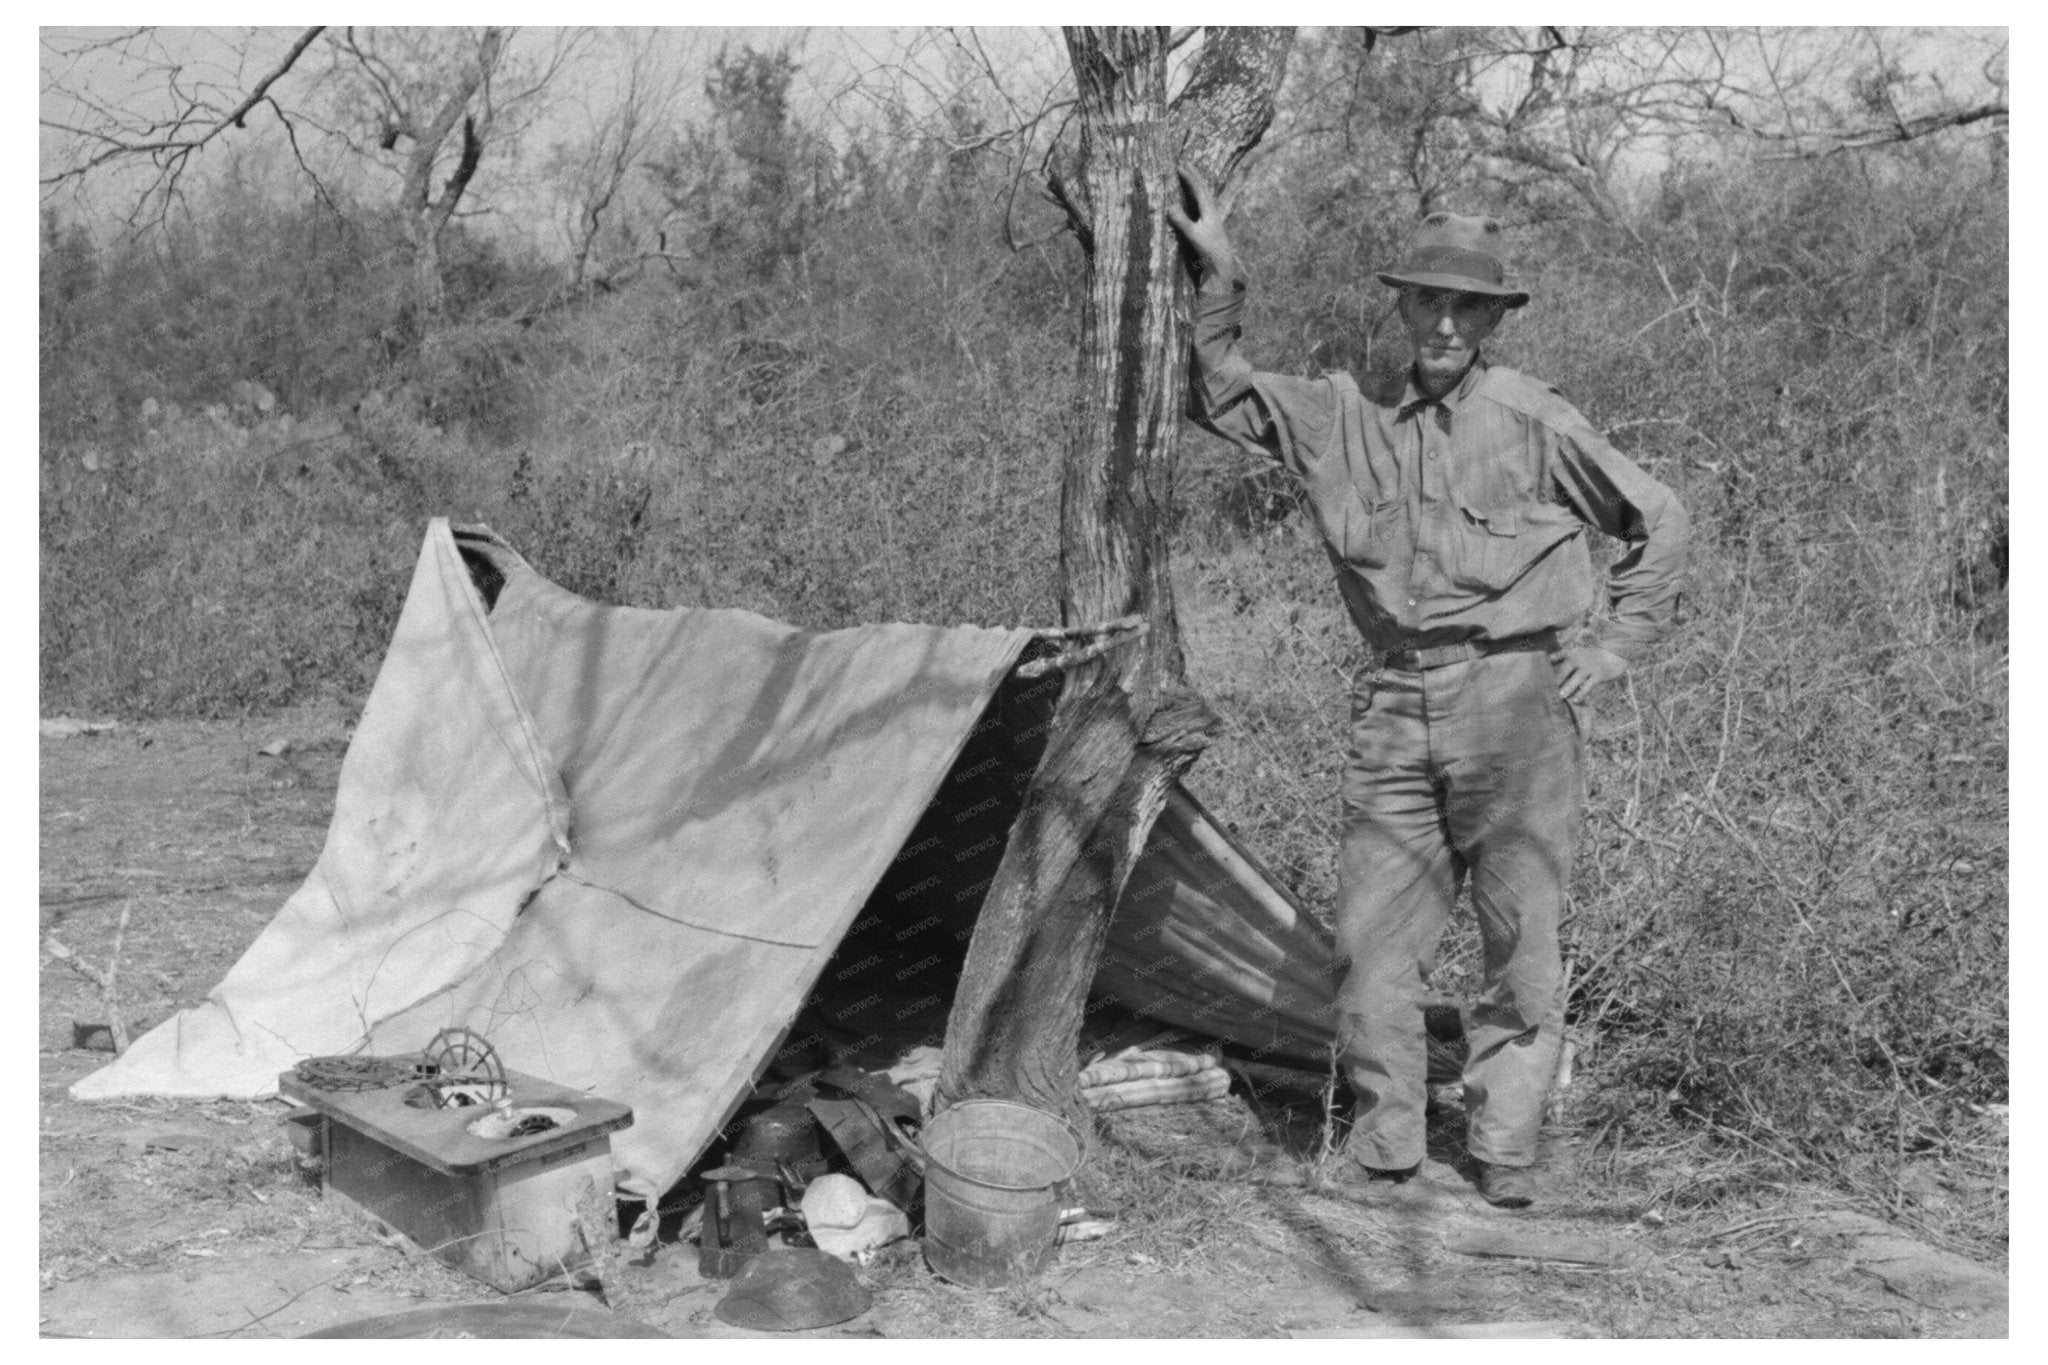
1470,771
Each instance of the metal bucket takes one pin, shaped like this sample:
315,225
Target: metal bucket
990,1212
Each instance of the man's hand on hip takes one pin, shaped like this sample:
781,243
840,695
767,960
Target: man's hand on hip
1204,232
1584,668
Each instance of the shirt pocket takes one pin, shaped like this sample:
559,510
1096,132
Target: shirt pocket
1487,550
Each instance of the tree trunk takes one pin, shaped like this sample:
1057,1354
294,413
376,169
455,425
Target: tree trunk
426,215
429,294
1126,725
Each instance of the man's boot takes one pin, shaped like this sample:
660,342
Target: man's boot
1507,1187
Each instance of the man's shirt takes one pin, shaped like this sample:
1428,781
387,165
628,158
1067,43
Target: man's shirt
1459,518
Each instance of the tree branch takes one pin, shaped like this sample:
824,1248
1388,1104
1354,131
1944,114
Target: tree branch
262,89
1898,131
172,151
428,143
1228,102
465,168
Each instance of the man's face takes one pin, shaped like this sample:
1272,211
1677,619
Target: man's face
1446,327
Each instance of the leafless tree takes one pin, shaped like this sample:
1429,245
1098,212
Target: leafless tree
424,104
594,172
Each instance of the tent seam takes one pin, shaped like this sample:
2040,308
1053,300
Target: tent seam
552,795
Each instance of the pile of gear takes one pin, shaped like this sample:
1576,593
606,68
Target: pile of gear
785,1227
829,1168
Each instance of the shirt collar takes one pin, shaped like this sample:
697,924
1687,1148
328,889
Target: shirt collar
1412,397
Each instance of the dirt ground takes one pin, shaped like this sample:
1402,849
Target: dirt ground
194,1219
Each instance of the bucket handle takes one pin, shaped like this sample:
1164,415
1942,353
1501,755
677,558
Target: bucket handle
919,1158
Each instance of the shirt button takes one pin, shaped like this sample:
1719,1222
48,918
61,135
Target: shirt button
1432,454
1411,601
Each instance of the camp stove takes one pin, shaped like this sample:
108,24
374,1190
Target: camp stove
480,1165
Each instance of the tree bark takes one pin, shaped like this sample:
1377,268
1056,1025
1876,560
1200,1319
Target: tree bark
1126,725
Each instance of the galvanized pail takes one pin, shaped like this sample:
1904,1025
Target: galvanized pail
990,1212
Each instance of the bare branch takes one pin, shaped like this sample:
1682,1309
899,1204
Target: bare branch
381,76
172,148
262,90
1058,190
1132,621
1067,106
298,154
1074,658
1901,129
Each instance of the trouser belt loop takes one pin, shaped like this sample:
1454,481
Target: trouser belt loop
1439,656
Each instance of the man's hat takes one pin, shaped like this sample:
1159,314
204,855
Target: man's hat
1452,251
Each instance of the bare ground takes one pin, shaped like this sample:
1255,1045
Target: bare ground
186,1219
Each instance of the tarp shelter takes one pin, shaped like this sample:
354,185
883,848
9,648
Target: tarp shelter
628,846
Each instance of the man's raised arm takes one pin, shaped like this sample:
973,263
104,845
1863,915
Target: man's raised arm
1225,395
1220,378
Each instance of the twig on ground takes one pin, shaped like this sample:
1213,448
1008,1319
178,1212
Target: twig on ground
1753,1225
113,996
64,955
106,979
256,1319
405,1247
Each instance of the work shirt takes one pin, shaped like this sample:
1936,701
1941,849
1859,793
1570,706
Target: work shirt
1457,518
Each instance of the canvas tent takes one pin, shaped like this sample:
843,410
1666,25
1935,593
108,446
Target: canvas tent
628,846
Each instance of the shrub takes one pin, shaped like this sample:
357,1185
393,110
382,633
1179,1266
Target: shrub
200,572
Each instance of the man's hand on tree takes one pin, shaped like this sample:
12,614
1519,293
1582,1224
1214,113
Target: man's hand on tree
1584,668
1204,232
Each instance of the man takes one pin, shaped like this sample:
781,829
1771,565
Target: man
1453,503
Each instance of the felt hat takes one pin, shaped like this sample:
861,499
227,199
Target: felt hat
1453,251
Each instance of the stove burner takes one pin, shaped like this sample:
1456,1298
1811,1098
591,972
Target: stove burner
353,1073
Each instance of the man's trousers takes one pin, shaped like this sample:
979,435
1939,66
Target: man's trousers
1472,770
